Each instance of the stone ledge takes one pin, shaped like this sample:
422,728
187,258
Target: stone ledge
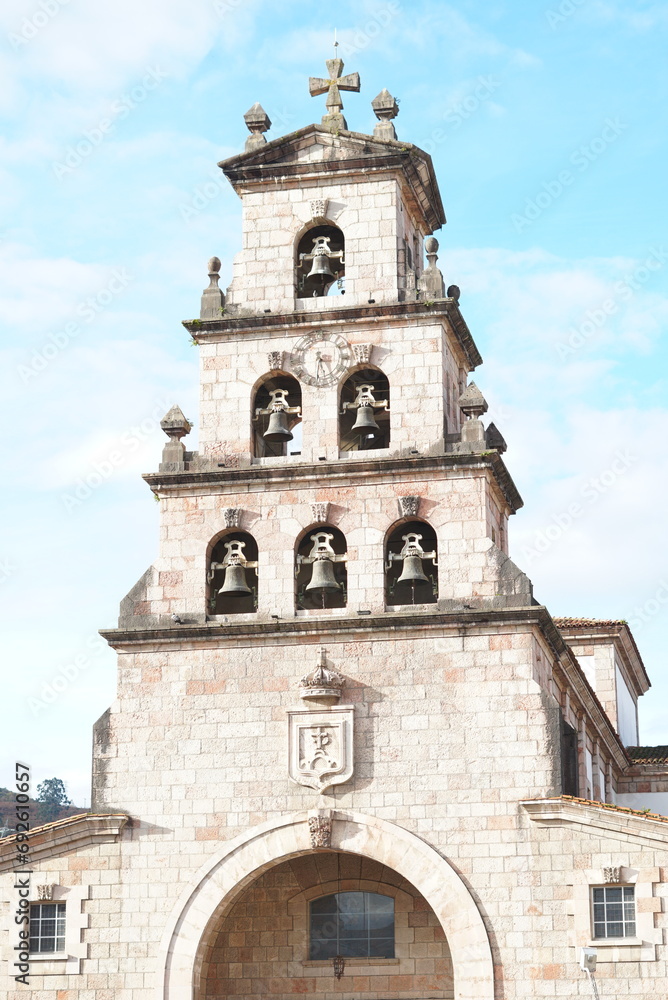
600,815
214,330
63,837
328,472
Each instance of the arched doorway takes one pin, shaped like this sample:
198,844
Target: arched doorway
206,902
327,922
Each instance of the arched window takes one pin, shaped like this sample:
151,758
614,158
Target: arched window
232,575
364,419
411,576
320,265
321,569
277,408
353,925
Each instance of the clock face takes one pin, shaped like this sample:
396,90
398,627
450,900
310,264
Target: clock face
321,358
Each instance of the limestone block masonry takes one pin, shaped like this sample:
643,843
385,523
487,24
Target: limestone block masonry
366,718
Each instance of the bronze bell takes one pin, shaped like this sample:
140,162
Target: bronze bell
412,571
277,429
365,422
323,578
234,584
321,268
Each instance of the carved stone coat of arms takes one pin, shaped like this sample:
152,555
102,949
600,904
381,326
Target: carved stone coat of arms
321,746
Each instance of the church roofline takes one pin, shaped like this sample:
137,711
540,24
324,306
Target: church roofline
603,815
64,836
326,472
605,631
207,331
267,162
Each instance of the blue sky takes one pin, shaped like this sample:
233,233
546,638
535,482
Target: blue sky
547,126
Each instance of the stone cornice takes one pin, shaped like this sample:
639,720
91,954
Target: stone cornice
279,161
63,837
385,625
338,472
214,330
598,632
614,820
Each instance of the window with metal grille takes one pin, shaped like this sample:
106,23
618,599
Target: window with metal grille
47,927
352,924
614,911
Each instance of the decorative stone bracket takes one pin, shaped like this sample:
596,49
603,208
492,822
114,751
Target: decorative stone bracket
320,511
408,506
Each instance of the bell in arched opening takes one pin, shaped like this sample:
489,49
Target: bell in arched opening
411,565
276,415
364,420
320,262
321,571
232,575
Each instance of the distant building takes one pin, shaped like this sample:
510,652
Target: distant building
351,756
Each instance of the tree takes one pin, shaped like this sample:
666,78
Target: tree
53,795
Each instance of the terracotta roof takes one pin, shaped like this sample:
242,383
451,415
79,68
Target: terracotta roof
567,623
610,807
648,755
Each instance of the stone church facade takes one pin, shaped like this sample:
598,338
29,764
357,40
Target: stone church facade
351,755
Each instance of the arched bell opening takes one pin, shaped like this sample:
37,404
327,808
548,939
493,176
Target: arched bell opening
364,411
320,264
276,417
305,924
411,554
232,576
320,569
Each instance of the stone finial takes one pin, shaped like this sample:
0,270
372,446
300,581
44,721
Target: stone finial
231,515
275,360
431,284
320,511
472,401
257,121
362,353
385,108
332,86
495,439
213,300
321,682
176,426
473,404
320,828
408,506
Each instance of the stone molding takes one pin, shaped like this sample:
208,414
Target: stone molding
346,318
217,884
64,837
351,472
614,820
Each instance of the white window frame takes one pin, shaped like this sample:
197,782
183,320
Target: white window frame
58,904
605,903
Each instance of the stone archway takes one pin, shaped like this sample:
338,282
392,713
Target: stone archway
215,887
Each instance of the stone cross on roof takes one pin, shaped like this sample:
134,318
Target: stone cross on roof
317,85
